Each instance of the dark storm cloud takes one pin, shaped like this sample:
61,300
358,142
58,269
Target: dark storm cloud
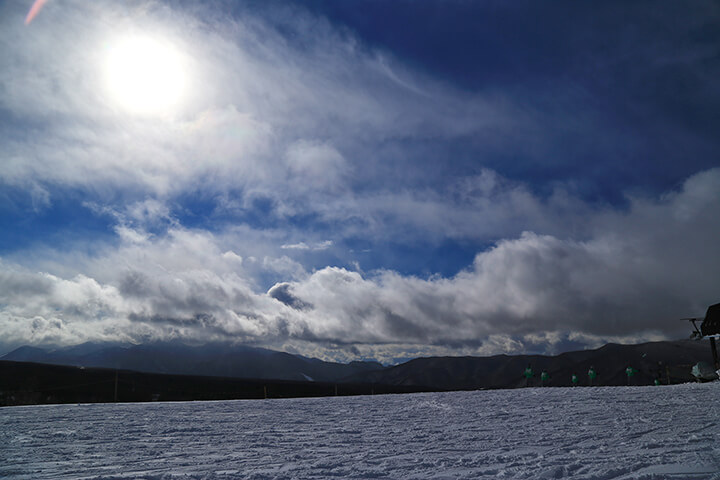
134,284
283,293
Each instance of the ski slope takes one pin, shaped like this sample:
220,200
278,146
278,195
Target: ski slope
580,433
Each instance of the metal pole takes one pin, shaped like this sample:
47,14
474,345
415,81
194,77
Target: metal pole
713,347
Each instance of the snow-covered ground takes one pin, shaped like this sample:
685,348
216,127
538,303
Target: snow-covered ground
584,433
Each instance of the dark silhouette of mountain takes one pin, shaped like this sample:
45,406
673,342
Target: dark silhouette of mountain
670,362
25,354
220,360
24,383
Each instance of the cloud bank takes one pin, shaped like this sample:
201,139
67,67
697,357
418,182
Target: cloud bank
279,202
638,273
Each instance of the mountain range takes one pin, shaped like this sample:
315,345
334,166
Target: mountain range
214,359
668,362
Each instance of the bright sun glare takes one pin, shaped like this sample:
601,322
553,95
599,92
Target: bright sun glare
145,75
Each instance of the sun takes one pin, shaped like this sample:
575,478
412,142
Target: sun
145,75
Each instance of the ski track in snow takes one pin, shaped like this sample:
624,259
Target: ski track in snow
584,433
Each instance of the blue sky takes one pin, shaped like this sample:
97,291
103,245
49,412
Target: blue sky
363,179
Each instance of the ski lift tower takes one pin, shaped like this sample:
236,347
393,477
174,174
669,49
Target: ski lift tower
709,328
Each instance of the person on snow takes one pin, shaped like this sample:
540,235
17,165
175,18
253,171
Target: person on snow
528,374
591,375
630,372
660,370
574,379
544,377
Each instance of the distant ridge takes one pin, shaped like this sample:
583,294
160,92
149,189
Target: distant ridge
219,360
670,362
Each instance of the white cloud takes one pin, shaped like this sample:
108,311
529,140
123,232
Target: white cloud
316,166
310,130
640,272
324,245
632,278
263,116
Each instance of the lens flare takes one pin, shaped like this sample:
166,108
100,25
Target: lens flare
34,10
